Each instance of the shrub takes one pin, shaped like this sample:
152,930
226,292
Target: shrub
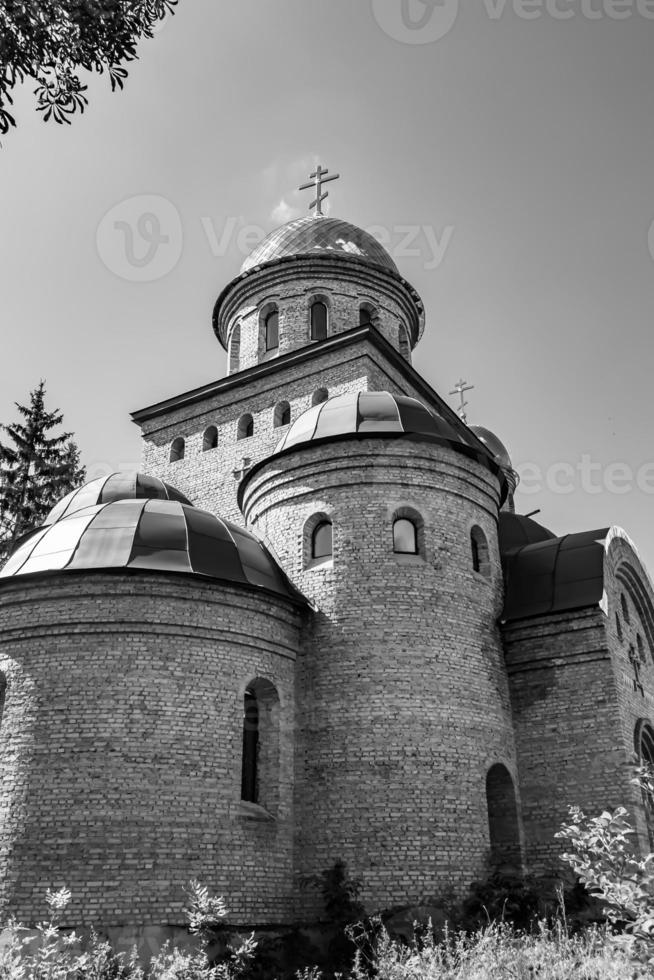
604,858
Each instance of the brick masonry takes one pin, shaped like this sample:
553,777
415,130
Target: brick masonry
121,748
403,701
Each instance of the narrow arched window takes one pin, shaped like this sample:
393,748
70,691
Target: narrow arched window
177,450
618,625
321,540
3,695
272,330
403,341
405,536
641,648
250,747
319,396
503,824
366,315
644,746
318,320
625,607
479,550
235,349
282,414
245,426
261,745
210,438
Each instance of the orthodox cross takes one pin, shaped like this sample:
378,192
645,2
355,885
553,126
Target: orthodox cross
246,464
318,178
459,389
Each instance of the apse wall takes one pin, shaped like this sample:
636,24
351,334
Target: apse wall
122,746
402,696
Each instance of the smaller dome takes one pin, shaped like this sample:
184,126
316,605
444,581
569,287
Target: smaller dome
116,486
494,445
150,535
371,413
322,235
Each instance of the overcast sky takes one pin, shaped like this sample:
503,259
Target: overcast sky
504,150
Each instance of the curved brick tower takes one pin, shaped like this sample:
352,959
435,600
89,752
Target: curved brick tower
132,630
403,703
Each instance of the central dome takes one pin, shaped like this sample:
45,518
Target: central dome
317,236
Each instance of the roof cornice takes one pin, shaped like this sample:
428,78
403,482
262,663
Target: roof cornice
301,355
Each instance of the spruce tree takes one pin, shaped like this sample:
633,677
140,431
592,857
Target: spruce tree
36,469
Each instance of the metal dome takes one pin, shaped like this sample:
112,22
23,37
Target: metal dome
318,236
494,445
372,413
150,535
116,486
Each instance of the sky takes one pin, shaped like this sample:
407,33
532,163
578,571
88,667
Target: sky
503,151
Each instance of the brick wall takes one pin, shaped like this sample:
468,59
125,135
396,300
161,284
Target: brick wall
121,747
208,477
567,724
402,695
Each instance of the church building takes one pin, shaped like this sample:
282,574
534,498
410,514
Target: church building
312,629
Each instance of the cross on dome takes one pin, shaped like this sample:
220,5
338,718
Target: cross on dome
459,389
318,178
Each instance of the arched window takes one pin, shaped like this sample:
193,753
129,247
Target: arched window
366,315
318,320
3,695
503,825
235,349
250,746
245,426
177,450
282,414
618,625
641,648
644,746
271,327
261,745
403,341
625,607
405,536
479,549
319,396
210,438
321,540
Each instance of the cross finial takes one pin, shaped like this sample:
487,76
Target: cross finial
318,178
459,389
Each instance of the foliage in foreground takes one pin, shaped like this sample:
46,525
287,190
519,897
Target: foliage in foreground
498,952
603,856
50,41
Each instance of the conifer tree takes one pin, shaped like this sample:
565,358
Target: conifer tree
36,469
